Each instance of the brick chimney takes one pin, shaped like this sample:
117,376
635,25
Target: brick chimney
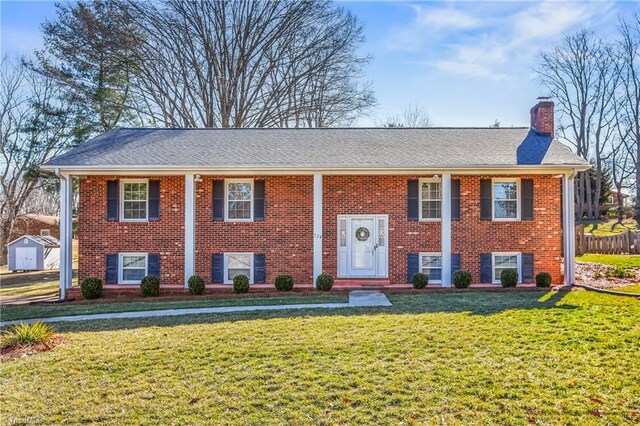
542,116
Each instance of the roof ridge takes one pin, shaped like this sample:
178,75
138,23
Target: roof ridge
322,128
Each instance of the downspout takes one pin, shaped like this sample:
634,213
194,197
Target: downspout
63,264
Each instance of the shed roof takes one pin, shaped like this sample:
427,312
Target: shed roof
46,241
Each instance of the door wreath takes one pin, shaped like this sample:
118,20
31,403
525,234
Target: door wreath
362,234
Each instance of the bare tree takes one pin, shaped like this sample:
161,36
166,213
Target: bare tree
628,48
580,74
409,116
34,127
248,64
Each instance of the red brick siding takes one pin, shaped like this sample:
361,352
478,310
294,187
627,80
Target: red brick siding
375,195
285,236
541,236
97,237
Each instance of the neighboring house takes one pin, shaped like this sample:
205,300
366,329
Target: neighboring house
367,204
36,224
613,200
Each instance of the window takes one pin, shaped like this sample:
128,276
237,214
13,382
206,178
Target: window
610,199
135,197
133,267
430,199
238,264
502,261
431,264
239,200
45,232
506,199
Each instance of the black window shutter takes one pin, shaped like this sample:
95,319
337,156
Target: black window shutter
413,210
218,200
112,269
112,200
258,200
455,199
413,265
153,265
217,268
527,267
527,199
455,263
154,200
259,269
485,199
486,273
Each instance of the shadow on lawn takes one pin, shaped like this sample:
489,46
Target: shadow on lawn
470,303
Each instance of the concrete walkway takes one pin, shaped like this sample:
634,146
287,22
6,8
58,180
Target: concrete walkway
357,299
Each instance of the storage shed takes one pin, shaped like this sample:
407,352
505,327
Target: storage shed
34,253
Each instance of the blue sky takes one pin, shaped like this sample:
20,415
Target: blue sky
468,63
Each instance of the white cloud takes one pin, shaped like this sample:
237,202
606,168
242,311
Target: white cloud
444,18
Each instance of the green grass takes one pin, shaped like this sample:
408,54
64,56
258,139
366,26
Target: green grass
19,312
471,358
610,227
41,288
635,288
622,260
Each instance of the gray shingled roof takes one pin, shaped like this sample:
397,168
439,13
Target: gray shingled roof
352,148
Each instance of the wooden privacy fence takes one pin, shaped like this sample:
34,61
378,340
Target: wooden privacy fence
627,243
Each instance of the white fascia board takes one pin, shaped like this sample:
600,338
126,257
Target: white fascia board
273,171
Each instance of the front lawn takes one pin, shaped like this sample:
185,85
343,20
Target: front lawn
635,288
19,312
470,358
625,261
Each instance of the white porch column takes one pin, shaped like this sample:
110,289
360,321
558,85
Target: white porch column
66,233
189,227
317,226
568,228
445,238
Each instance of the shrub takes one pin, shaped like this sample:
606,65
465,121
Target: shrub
543,279
597,274
284,283
419,280
324,282
509,278
91,288
34,333
617,272
150,286
196,284
241,284
461,278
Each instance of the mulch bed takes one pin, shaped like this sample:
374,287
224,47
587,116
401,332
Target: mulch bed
586,273
23,350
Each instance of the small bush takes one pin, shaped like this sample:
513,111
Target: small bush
419,280
284,283
461,278
616,272
91,288
241,284
31,334
150,286
509,278
324,282
543,279
196,284
597,274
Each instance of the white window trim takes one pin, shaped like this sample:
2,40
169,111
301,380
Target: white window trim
496,280
121,267
493,199
45,232
122,183
421,255
226,199
429,180
226,267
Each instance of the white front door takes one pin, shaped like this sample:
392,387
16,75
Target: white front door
26,258
362,246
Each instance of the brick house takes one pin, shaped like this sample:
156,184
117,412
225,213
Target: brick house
370,205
